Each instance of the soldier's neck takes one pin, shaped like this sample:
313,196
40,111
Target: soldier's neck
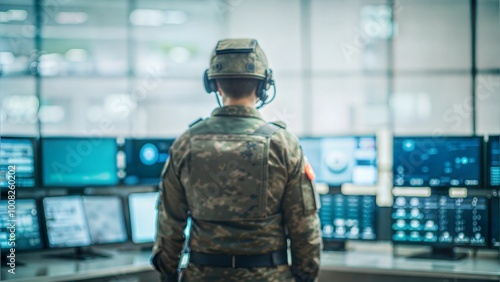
247,101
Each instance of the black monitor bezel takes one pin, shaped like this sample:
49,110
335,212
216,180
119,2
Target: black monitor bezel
480,161
141,180
374,136
36,159
42,170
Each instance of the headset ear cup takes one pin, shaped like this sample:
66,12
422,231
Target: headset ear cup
210,85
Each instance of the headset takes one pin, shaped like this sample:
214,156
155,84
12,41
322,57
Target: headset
262,88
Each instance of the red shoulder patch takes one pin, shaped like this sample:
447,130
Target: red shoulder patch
308,170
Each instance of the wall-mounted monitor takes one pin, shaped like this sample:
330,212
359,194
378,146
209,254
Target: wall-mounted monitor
437,162
143,215
339,160
145,159
17,162
79,162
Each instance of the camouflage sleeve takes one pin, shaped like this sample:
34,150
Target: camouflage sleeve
301,218
172,217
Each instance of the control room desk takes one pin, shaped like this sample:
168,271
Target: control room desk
350,266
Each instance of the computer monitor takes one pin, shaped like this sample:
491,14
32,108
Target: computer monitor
339,160
441,222
105,219
437,162
145,159
143,215
24,225
347,217
17,162
493,160
66,222
79,162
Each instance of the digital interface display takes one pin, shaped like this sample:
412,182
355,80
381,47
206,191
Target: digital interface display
495,222
66,222
339,160
27,227
494,161
347,217
17,152
79,162
437,162
143,216
105,219
145,159
440,220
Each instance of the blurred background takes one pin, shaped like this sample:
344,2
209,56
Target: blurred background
134,68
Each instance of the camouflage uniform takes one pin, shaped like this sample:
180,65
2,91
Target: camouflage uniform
217,172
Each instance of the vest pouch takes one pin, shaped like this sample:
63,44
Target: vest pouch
228,176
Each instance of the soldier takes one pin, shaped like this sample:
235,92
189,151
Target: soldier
244,182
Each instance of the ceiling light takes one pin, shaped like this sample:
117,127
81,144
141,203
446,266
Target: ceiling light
71,17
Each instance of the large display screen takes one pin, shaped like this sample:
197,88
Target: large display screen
66,222
25,224
347,217
143,215
440,220
339,160
493,167
79,162
145,159
105,219
437,162
19,155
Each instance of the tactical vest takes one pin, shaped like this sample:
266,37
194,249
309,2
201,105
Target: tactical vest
228,174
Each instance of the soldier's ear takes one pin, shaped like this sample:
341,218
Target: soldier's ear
219,90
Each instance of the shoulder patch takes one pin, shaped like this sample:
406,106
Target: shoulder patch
200,119
308,170
279,123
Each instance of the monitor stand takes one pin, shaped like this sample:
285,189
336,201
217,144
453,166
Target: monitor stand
80,253
441,253
334,246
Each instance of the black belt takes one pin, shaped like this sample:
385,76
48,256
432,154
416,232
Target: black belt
240,261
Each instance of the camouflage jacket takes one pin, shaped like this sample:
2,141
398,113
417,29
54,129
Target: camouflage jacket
217,173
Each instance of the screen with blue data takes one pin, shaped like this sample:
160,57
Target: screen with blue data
66,222
145,159
26,225
440,220
345,217
339,160
437,161
143,214
79,162
493,167
19,154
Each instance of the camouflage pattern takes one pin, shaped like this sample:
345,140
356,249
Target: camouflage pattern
238,58
246,194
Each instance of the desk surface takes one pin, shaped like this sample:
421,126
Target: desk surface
40,268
